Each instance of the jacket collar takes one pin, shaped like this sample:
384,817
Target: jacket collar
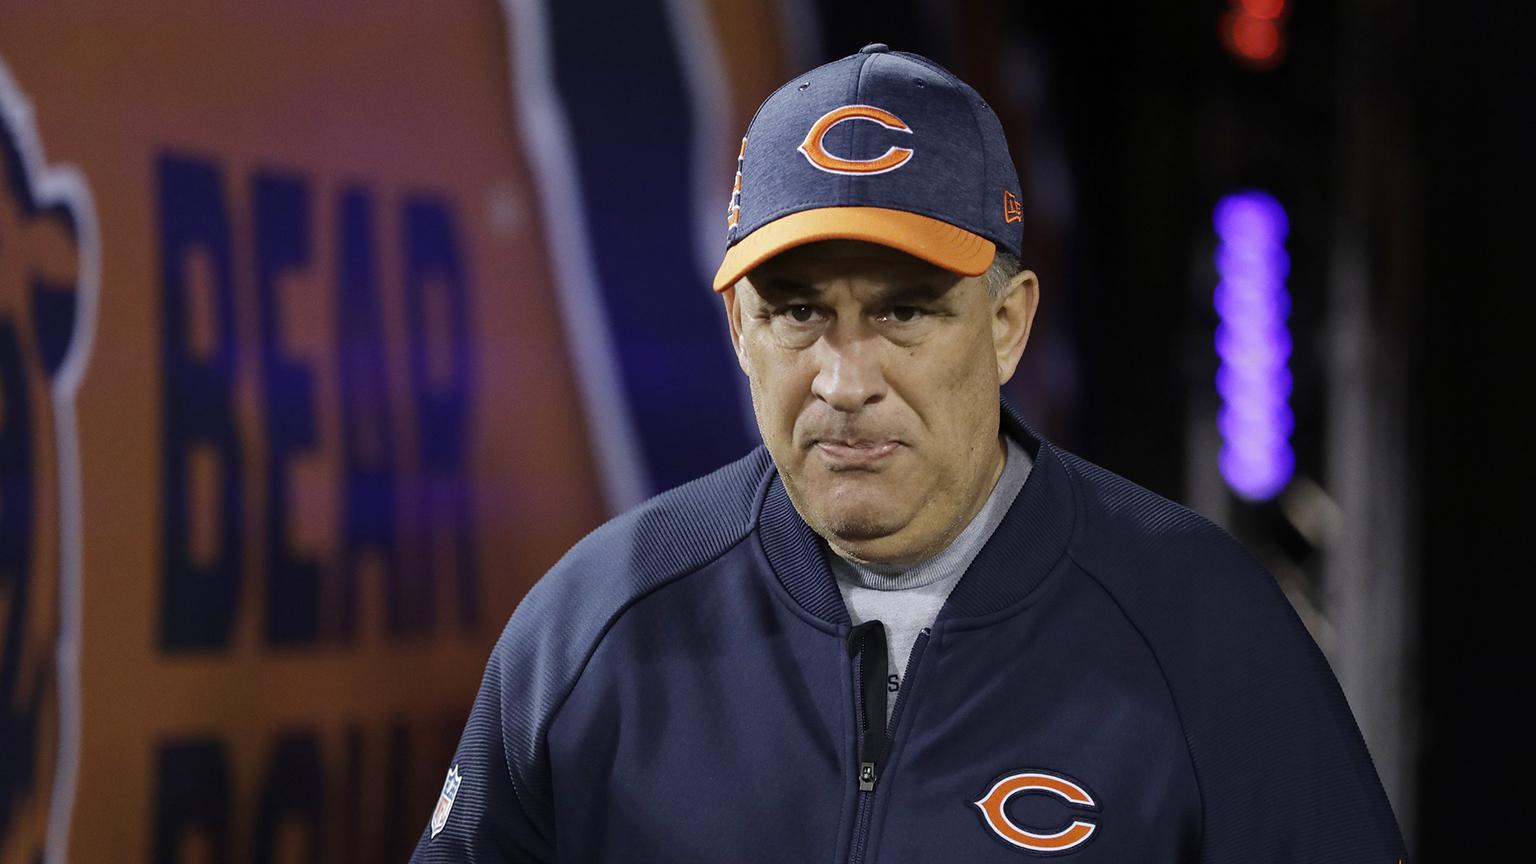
1026,545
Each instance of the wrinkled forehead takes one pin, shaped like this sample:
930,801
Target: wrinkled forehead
828,264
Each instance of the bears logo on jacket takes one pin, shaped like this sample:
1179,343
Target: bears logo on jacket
48,270
992,803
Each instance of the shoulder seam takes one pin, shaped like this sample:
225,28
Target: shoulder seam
586,660
613,619
744,531
1167,686
1073,480
1200,520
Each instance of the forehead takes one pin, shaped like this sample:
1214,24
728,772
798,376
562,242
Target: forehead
815,265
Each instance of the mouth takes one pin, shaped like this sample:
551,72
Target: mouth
855,453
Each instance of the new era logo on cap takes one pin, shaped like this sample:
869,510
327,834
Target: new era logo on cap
882,146
1012,211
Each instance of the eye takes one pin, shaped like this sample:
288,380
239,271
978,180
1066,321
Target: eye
904,314
799,312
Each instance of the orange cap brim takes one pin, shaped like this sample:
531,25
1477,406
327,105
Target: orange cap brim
939,243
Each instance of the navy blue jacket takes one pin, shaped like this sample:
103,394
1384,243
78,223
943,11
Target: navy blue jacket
1114,680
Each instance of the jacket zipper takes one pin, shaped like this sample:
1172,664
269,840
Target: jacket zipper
867,641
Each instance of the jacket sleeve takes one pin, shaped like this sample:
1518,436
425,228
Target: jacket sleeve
503,809
483,814
1283,771
1283,774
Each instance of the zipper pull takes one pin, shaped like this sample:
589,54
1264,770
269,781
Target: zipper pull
867,777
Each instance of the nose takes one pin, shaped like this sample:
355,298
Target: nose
850,375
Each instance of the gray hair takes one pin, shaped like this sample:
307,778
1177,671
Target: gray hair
1005,266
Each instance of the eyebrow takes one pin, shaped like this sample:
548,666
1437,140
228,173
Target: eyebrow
780,288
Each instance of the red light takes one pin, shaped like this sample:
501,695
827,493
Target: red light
1255,38
1270,9
1254,31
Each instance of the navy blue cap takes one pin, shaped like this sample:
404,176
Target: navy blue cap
884,146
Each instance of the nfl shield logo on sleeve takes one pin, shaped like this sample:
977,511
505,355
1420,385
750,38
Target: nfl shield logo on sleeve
445,800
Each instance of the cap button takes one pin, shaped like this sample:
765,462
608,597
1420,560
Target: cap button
875,48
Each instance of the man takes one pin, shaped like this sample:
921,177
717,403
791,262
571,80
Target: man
1091,671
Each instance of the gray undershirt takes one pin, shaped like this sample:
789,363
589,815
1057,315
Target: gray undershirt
907,599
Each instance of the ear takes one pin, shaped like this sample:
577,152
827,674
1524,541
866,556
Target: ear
733,320
1013,316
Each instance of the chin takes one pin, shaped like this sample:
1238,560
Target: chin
884,548
851,506
856,530
860,521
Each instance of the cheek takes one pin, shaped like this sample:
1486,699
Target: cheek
778,392
958,393
949,377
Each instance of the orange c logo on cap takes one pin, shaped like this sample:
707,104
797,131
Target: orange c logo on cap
816,153
1070,837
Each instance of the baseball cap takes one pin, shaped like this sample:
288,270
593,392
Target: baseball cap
883,146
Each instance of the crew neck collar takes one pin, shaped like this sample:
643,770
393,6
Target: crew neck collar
1023,548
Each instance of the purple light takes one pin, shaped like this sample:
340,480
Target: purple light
1254,345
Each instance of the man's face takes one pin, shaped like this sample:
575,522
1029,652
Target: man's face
874,377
